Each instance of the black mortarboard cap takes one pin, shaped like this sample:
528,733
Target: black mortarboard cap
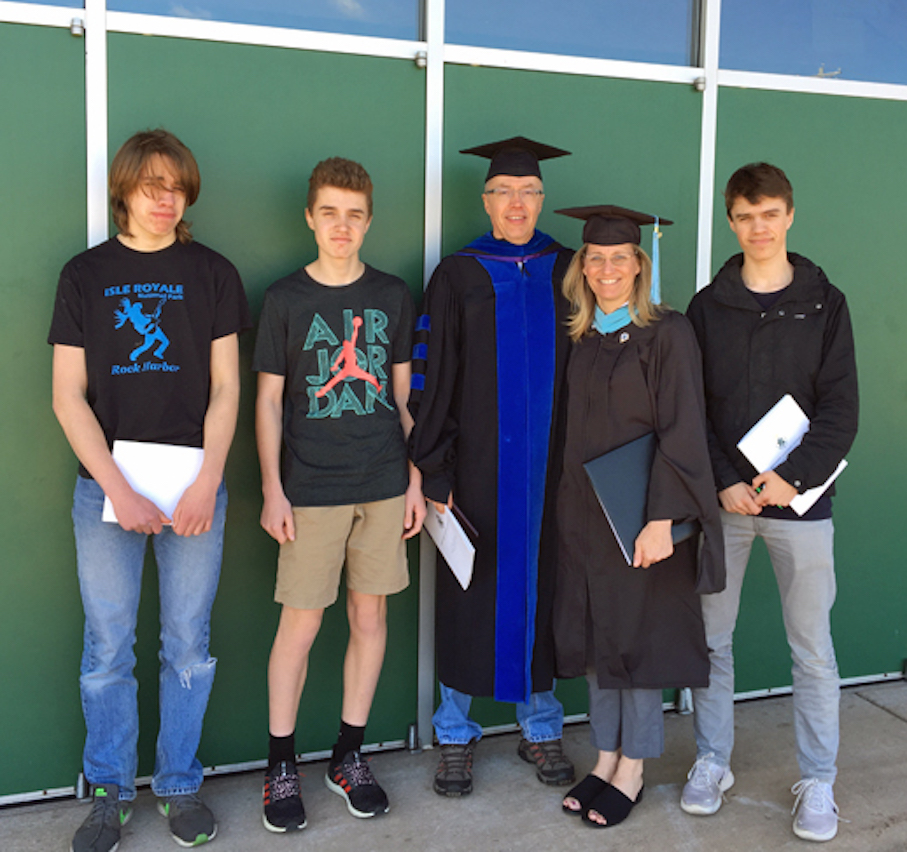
517,156
609,225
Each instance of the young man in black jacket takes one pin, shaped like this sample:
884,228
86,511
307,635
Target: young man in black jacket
771,324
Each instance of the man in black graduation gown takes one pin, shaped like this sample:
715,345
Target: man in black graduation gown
488,366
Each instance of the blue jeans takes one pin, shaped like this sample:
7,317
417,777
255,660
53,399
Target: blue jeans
541,718
110,562
803,560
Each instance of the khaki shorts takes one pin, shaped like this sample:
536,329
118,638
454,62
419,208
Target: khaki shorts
368,535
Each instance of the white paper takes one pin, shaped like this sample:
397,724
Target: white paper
773,438
451,539
160,472
802,503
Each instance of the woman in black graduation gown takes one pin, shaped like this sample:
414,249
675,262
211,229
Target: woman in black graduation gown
632,630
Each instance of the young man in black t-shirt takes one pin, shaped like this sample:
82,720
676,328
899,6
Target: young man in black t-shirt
145,330
333,357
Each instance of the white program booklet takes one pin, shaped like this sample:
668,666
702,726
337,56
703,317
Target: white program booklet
451,539
160,472
772,440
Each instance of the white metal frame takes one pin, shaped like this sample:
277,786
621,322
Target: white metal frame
709,39
432,53
96,119
435,54
434,162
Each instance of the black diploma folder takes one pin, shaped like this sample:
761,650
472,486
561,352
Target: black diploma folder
620,479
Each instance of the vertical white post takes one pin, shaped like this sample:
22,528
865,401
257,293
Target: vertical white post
96,119
434,151
711,27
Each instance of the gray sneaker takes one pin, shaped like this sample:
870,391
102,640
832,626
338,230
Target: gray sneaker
453,776
704,791
101,830
190,819
816,814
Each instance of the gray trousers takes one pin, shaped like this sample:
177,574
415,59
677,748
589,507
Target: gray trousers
631,720
803,561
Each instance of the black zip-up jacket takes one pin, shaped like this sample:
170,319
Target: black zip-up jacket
802,345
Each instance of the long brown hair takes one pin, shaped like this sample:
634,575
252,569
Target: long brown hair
128,168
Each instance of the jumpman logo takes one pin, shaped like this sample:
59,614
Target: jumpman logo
350,368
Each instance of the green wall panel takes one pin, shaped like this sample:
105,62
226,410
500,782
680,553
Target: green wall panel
635,144
844,157
42,224
258,119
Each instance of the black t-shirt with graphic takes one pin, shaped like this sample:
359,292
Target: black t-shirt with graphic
146,321
335,346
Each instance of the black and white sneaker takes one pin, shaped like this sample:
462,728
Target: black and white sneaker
283,808
352,778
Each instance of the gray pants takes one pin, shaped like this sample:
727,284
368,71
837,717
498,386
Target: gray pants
803,560
628,719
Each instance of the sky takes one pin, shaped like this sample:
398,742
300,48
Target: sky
853,39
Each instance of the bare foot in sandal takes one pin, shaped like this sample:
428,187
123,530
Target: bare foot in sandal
577,800
627,779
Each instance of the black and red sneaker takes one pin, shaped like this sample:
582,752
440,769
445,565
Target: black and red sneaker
352,778
283,809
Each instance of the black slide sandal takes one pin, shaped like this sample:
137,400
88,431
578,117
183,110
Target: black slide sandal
613,805
584,793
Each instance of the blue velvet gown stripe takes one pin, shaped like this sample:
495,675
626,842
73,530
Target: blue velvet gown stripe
524,328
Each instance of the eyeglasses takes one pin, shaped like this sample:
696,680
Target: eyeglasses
523,194
155,188
618,261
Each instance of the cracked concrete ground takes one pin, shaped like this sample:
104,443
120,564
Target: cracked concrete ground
511,810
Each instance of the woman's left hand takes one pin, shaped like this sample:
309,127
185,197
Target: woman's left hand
653,544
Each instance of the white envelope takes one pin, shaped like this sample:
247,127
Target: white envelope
450,538
160,472
802,503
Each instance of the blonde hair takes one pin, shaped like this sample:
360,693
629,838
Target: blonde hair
643,311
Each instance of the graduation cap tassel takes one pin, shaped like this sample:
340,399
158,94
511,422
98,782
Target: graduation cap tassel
656,265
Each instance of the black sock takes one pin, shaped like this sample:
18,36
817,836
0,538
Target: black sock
349,739
281,748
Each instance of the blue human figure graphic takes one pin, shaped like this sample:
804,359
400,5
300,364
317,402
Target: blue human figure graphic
146,324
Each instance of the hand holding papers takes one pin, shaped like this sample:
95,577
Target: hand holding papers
452,540
160,472
772,440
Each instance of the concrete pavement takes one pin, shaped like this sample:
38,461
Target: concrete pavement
511,810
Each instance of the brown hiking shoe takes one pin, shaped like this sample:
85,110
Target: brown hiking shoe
552,766
454,774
